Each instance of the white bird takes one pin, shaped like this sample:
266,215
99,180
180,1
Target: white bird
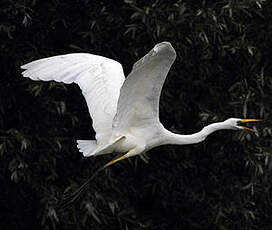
125,111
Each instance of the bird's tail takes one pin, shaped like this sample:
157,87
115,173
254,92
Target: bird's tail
87,147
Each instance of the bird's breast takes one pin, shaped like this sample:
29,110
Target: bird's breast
124,145
128,143
140,137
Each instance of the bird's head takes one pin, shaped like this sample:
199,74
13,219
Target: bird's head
236,124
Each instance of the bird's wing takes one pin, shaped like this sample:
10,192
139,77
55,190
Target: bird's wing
138,104
99,78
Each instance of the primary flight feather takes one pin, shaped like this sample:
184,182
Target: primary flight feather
100,80
125,112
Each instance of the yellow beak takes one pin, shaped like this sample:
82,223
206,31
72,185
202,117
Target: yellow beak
249,120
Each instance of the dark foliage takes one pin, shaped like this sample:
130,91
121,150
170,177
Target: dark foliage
223,69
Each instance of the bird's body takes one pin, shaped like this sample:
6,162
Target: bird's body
125,111
135,140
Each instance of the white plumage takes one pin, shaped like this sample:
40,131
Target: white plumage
100,80
125,112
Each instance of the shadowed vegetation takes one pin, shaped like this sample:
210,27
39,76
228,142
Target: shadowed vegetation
223,69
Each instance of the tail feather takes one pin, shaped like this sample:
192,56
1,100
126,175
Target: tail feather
87,147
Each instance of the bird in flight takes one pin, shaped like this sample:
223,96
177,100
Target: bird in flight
125,111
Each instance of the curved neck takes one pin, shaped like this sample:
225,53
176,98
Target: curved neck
177,139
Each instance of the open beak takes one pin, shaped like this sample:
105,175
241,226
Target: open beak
246,121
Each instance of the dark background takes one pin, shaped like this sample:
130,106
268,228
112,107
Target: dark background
223,69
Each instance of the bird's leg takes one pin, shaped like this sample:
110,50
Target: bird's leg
115,160
68,199
130,153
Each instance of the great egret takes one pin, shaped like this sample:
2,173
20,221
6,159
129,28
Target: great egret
125,112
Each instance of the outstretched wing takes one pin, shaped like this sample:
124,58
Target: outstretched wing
138,104
99,78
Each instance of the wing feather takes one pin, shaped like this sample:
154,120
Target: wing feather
138,103
99,78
